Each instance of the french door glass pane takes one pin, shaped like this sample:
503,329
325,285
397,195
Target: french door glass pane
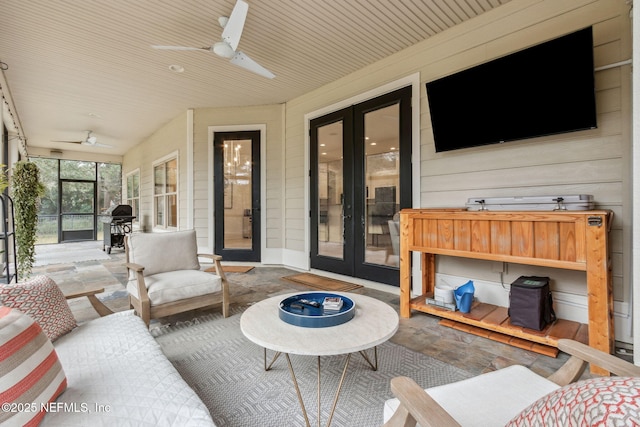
382,184
237,194
330,191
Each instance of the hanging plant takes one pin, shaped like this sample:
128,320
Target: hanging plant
4,181
26,190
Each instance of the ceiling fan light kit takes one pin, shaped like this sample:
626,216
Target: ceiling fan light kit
90,140
227,47
224,50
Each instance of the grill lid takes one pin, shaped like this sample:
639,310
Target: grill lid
119,210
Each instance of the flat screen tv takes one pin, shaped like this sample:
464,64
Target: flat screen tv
543,90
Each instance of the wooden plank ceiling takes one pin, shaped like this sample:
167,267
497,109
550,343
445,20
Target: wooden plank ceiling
75,65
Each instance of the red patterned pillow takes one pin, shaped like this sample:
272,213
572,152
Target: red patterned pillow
31,375
41,298
607,401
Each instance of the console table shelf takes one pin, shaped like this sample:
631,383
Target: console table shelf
575,240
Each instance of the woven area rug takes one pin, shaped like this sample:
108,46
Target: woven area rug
226,370
321,283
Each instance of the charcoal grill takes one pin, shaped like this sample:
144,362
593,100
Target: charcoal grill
117,223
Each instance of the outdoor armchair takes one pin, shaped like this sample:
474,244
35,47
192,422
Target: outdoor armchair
518,395
165,277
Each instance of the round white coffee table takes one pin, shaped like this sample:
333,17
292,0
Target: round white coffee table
374,323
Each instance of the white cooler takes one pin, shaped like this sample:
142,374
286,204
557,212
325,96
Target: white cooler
580,202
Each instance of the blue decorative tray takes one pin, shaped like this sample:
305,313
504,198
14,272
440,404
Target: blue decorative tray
296,313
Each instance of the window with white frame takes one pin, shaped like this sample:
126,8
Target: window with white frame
133,193
165,193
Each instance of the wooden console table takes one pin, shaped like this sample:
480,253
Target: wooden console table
574,240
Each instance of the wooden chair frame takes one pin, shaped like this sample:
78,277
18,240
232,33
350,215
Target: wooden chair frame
146,311
416,406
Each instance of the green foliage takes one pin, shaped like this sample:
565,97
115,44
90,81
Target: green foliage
4,181
26,190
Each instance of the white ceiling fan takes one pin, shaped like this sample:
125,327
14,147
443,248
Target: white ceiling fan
90,140
226,48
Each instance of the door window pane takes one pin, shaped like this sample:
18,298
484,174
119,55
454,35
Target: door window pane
382,182
238,212
330,191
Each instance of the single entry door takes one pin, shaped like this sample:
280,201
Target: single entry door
360,178
236,167
77,210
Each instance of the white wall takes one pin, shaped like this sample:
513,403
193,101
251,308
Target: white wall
589,162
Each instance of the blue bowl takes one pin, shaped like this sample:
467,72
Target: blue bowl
306,316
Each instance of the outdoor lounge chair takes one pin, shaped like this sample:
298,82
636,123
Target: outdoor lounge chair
517,394
165,276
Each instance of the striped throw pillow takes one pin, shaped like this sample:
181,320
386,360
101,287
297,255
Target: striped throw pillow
31,375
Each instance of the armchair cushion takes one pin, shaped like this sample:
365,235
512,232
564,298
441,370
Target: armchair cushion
177,285
597,401
489,399
41,298
157,252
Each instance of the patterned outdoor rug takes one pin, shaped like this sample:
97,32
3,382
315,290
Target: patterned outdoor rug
226,370
322,283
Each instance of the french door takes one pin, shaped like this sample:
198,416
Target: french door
236,168
360,178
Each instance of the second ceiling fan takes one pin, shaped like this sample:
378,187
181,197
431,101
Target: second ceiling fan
226,48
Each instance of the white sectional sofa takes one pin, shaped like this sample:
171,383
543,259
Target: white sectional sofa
118,375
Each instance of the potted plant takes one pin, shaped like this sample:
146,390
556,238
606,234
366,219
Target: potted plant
26,190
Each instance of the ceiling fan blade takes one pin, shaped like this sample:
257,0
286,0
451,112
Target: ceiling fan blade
97,144
180,48
233,28
70,142
242,60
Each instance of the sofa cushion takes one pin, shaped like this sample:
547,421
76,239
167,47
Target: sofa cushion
177,285
489,399
162,252
30,373
607,401
114,364
41,298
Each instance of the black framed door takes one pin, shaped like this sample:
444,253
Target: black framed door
236,167
360,174
77,210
